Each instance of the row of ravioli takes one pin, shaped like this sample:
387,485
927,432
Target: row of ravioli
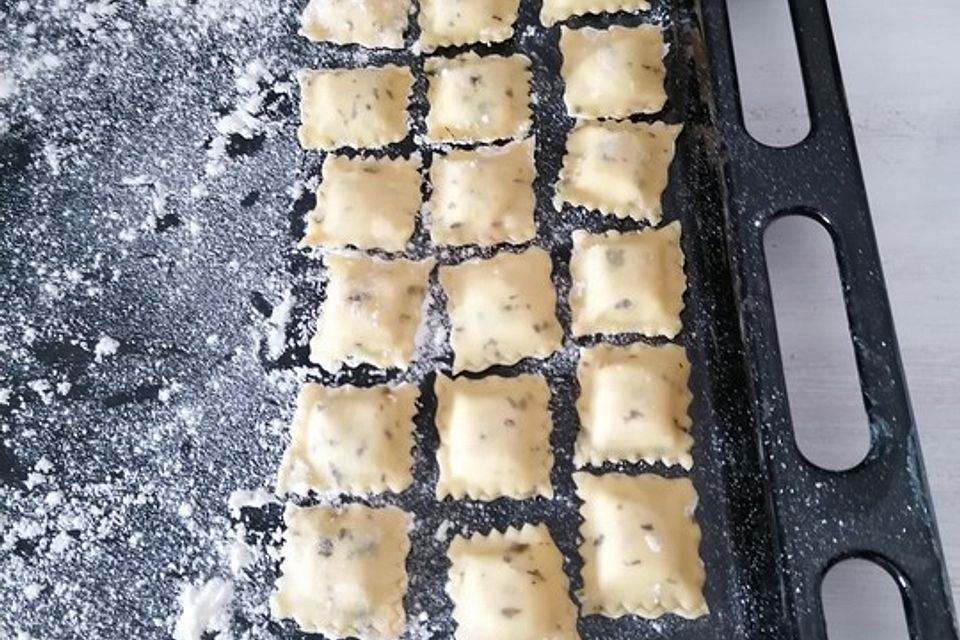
609,73
443,23
494,431
485,196
343,568
501,309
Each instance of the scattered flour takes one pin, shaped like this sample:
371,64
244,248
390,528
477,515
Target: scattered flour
249,117
205,607
113,478
33,590
242,555
443,530
276,334
253,498
105,347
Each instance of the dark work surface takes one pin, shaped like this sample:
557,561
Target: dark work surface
126,215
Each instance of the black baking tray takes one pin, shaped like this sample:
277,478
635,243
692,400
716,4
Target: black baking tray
773,523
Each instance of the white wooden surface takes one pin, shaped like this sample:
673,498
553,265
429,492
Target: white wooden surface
900,66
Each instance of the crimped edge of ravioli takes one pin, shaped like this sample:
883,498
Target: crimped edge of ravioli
337,144
405,393
439,63
430,41
583,239
550,17
457,489
583,451
394,623
652,215
649,610
510,359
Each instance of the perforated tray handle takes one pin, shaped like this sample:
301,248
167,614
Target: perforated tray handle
880,510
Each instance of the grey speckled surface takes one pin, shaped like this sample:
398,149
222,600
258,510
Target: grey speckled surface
898,61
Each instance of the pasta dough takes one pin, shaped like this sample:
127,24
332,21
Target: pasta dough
445,22
350,439
344,571
371,313
365,203
371,23
494,437
354,107
554,11
502,309
484,196
613,73
627,282
633,405
618,168
640,546
478,99
510,585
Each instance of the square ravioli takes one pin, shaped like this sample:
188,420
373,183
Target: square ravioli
555,11
630,282
444,23
367,203
478,99
641,546
371,313
483,196
501,310
510,585
613,73
494,437
351,440
371,23
343,571
618,168
633,405
354,107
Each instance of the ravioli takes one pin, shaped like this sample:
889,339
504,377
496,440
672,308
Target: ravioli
446,23
343,571
372,312
367,203
478,99
358,108
494,437
502,310
484,196
370,23
510,585
640,546
633,405
618,168
350,439
631,282
614,72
